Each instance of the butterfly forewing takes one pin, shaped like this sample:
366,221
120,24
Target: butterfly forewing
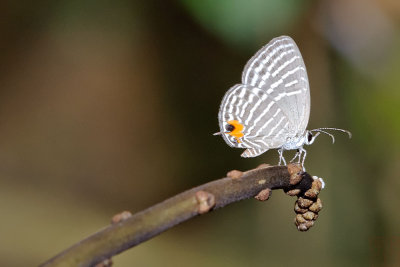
278,69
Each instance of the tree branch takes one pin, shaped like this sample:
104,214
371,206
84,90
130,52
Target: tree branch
148,223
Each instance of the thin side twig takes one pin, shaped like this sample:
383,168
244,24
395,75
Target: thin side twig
148,223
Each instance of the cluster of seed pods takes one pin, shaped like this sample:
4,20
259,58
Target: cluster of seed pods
308,204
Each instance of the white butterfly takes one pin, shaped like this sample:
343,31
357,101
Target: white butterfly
271,107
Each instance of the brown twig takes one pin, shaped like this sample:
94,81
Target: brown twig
135,229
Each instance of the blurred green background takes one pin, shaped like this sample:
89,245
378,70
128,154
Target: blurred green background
110,105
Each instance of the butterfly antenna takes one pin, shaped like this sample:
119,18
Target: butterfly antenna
322,131
337,129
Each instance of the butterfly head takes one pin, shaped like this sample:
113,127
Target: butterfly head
310,137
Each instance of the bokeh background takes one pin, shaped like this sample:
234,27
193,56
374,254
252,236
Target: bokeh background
110,105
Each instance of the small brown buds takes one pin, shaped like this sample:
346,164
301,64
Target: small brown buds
308,204
263,195
293,192
234,174
300,219
263,165
121,217
304,202
205,200
105,263
311,193
316,206
295,172
309,215
318,183
299,210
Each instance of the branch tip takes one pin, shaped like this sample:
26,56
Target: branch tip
308,204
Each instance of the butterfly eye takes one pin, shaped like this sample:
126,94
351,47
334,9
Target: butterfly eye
229,127
309,137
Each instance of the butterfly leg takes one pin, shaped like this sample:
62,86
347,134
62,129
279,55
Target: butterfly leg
296,155
302,150
281,158
300,154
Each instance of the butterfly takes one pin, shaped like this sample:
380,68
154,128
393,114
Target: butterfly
270,109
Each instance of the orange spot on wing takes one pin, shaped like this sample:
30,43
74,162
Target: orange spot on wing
237,131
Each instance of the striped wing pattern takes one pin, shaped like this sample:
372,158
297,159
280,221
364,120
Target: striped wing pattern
273,101
258,113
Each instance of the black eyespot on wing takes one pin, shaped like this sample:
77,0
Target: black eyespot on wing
229,127
309,137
